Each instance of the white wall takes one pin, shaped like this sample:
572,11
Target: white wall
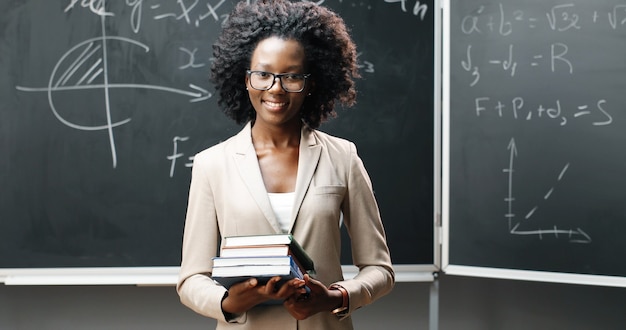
487,304
464,303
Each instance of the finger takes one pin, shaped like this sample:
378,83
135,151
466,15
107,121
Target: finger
274,280
244,285
287,291
310,280
314,285
252,282
270,286
294,285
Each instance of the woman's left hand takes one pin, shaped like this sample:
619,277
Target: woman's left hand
319,299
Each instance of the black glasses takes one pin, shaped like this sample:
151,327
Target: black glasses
290,82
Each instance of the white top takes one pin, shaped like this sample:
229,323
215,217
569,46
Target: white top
282,204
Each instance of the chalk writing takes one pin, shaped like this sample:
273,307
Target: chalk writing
557,60
576,235
504,22
191,12
419,9
367,66
617,17
136,14
516,68
517,109
95,6
85,65
88,70
559,18
192,59
175,154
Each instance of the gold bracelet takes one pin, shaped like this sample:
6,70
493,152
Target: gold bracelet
344,299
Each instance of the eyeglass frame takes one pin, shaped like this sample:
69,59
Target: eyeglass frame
280,76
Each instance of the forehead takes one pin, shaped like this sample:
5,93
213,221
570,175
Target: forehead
278,54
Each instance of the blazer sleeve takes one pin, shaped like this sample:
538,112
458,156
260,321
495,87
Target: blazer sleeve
370,252
200,243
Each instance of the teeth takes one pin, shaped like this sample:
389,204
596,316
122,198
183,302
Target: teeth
274,104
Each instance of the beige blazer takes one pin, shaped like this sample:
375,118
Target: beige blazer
227,197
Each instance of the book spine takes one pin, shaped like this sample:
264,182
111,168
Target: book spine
300,254
296,268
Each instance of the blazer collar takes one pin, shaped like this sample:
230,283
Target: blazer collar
248,166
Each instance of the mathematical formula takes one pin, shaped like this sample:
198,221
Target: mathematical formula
560,18
510,57
194,12
539,65
504,22
517,108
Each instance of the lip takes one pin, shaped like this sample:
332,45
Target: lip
275,105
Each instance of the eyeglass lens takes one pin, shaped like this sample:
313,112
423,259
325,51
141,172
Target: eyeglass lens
265,80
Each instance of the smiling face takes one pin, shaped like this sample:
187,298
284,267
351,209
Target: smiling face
275,107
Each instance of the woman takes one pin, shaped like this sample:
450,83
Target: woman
279,68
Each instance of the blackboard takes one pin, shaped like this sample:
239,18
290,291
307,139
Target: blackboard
103,108
535,132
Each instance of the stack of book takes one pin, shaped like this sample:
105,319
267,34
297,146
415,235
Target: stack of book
261,257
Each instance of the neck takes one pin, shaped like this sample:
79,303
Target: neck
276,136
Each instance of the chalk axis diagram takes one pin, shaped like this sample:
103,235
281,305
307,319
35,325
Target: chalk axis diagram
88,70
573,235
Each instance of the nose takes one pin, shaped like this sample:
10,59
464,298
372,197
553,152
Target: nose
277,86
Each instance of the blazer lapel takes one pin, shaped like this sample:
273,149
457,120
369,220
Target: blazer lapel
310,151
248,167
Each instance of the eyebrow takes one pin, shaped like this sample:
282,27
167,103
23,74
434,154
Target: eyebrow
265,67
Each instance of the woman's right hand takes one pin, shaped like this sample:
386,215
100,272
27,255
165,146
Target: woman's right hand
247,294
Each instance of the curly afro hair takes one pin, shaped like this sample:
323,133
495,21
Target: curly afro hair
329,50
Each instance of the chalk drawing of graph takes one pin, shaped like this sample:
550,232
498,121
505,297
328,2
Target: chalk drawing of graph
86,67
576,235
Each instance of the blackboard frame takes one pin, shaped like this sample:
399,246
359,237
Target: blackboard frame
167,275
447,265
154,276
